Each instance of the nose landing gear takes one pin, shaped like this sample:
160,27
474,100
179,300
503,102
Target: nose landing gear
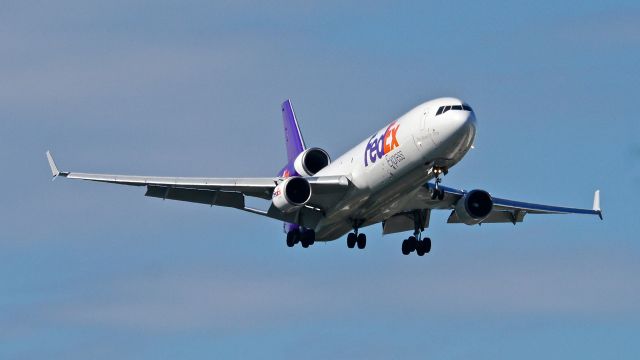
437,192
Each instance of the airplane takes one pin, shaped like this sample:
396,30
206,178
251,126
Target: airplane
393,177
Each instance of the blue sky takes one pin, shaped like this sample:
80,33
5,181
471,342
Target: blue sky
193,88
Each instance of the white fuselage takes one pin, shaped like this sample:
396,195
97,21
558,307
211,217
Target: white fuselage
388,168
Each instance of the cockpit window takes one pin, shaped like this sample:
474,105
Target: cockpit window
444,109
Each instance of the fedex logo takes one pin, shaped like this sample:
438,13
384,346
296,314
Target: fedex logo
378,147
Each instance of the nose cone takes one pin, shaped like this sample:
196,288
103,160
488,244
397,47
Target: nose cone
455,131
456,124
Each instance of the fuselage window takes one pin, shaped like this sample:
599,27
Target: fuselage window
467,107
446,108
440,110
456,107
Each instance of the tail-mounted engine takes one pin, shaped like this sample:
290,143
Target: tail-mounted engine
291,194
310,161
474,207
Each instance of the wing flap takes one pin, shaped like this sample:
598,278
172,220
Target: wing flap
496,216
406,221
208,197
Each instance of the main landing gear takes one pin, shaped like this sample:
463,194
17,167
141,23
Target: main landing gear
438,193
354,238
420,246
306,237
416,242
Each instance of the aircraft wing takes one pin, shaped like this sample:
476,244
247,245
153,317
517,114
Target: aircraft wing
228,192
504,210
258,187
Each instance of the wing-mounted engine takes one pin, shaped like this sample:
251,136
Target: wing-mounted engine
474,207
310,161
291,194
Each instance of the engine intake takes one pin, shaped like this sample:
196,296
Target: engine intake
474,207
291,194
310,161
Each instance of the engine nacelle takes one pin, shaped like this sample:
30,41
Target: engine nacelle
474,207
291,194
310,161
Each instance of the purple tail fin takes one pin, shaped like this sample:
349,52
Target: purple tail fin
292,136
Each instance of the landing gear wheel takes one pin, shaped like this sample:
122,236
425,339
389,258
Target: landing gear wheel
362,241
405,247
293,237
427,245
290,240
308,237
413,243
420,248
351,240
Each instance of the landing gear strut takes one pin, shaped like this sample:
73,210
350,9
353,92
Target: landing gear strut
437,192
354,238
416,242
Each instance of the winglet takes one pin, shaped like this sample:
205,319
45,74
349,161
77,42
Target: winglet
54,169
596,203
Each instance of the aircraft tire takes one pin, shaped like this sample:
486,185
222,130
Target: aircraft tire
361,241
427,245
292,238
351,240
405,247
420,247
309,236
290,242
412,243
